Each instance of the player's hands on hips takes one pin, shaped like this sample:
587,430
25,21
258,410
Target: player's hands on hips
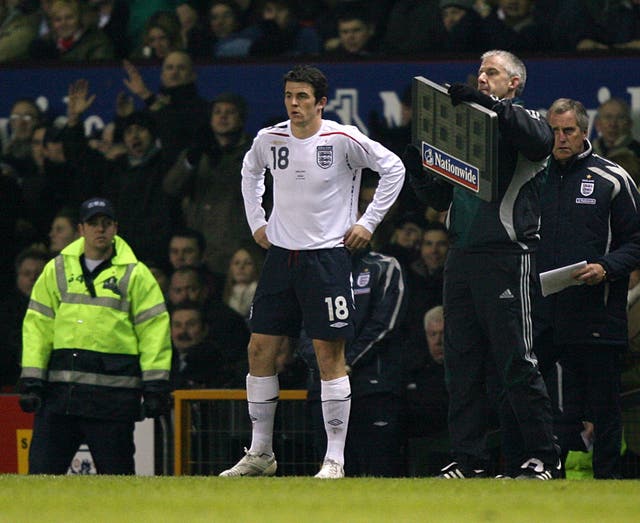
357,237
260,236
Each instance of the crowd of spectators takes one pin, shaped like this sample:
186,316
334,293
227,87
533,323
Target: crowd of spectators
212,30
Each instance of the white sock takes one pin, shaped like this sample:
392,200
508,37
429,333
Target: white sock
262,398
336,405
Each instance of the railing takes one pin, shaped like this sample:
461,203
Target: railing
211,427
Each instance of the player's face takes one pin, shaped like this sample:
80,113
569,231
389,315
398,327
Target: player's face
568,138
302,107
494,79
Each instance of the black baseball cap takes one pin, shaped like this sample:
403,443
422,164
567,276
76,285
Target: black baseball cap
95,206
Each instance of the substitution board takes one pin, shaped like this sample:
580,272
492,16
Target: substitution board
458,143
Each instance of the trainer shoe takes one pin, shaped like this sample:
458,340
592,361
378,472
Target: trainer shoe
535,469
330,470
253,465
454,471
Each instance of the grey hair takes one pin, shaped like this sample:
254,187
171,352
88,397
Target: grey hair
434,314
513,65
563,105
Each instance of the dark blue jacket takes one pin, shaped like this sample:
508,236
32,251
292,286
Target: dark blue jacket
375,352
590,211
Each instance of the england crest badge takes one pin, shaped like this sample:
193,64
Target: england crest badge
324,156
586,187
363,279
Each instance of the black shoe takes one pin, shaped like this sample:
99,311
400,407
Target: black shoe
454,471
535,469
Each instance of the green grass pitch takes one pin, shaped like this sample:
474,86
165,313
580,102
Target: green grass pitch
105,499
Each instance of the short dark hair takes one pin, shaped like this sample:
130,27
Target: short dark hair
309,75
436,226
232,98
194,234
31,253
190,269
188,305
70,214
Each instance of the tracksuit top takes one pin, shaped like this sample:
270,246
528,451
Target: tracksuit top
590,211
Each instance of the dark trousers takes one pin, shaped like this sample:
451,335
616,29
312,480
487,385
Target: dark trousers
56,438
373,440
588,389
488,326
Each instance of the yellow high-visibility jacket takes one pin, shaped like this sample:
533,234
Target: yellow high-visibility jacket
97,340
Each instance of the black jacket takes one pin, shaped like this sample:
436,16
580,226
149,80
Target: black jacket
589,212
511,222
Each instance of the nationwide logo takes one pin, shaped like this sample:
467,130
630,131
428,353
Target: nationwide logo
450,167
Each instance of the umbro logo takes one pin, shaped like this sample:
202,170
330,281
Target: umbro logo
507,294
339,324
335,422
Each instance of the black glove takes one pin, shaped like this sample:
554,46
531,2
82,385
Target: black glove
464,93
31,394
412,160
30,401
156,404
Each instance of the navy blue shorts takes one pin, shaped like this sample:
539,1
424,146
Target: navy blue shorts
310,288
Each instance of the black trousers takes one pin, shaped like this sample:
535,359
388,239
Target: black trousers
373,446
488,345
56,438
587,388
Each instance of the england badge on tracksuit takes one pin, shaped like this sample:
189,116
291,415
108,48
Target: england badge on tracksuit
586,187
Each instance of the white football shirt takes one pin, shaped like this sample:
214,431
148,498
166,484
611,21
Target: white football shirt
316,182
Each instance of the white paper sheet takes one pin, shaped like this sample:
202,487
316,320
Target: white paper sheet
558,279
